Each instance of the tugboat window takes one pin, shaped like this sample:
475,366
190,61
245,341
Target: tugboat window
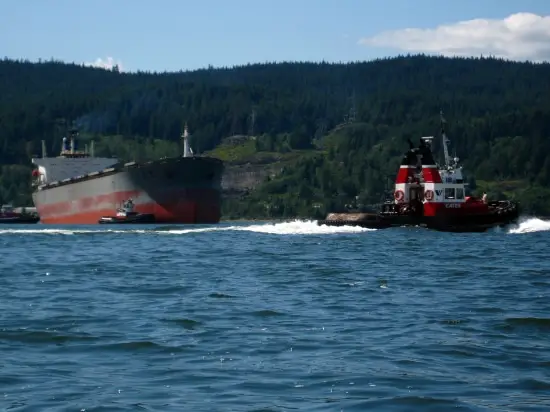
450,193
460,193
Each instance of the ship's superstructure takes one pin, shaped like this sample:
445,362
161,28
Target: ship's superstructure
425,185
70,163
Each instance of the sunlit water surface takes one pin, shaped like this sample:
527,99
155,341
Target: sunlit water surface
274,317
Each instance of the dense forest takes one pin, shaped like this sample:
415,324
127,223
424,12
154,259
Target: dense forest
330,133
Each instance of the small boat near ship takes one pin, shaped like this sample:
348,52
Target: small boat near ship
127,214
9,215
431,196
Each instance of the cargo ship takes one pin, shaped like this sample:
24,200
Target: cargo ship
78,188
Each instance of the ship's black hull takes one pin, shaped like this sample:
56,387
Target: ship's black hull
19,220
501,214
139,218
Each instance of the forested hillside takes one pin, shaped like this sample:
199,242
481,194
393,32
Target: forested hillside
327,132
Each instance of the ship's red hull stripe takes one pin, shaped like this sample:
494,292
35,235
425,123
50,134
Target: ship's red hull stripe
90,209
84,204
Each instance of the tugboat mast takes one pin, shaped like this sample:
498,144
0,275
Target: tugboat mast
445,141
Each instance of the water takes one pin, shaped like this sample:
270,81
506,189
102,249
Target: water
274,317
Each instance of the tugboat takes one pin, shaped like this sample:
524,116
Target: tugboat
9,215
431,196
126,214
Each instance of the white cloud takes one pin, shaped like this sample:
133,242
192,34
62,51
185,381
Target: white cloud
108,63
520,36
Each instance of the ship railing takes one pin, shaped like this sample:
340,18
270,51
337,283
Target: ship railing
50,184
76,178
104,171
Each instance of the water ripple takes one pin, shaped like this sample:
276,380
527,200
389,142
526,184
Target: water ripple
274,317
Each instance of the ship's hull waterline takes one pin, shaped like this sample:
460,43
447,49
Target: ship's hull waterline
175,190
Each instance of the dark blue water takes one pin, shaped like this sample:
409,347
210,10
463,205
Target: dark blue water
274,317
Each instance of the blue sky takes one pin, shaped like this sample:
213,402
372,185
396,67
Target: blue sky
173,35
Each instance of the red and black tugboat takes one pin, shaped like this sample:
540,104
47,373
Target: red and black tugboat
432,196
9,215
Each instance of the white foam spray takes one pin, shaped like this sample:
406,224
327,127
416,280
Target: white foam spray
530,225
295,227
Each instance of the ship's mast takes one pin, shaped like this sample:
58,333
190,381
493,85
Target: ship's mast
252,122
445,140
187,151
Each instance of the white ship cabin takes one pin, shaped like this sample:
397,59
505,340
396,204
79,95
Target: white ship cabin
70,163
126,209
451,190
452,186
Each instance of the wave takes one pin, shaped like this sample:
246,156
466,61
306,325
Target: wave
56,231
530,225
294,227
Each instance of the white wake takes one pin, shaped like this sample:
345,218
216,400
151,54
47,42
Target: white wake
530,225
295,227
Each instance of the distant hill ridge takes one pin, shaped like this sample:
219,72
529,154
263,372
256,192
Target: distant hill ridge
498,117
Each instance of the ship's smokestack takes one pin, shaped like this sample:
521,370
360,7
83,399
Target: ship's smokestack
407,168
430,172
405,176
